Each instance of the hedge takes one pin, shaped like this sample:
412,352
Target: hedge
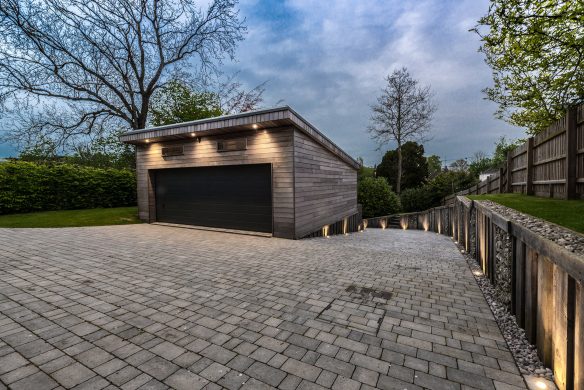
27,187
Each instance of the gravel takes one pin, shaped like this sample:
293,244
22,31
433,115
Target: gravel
525,353
570,240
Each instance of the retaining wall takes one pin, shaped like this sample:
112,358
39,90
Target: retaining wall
540,282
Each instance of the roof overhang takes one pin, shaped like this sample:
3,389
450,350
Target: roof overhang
231,124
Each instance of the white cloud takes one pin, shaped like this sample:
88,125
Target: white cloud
328,60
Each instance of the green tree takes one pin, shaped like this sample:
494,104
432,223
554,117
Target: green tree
376,197
434,166
535,49
176,102
480,163
414,166
104,152
502,147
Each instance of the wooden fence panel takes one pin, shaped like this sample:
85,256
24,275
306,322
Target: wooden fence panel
550,164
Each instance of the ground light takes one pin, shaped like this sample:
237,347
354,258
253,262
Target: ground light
537,383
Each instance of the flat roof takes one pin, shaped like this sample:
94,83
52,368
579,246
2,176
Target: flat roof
227,124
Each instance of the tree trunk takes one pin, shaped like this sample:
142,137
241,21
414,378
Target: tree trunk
399,169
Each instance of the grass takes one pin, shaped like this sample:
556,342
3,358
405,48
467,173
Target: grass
567,213
71,218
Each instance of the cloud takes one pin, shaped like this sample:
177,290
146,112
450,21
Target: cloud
328,60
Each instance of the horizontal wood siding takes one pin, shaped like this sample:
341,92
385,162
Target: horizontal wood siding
326,186
273,146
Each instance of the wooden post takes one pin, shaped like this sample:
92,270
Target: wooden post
529,173
571,154
545,310
518,303
530,308
509,187
561,344
578,336
501,190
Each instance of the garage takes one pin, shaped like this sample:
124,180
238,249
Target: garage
266,171
235,197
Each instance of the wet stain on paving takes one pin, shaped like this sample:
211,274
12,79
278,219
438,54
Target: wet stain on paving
369,293
357,308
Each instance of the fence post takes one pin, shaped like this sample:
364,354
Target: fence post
571,154
509,187
501,190
529,173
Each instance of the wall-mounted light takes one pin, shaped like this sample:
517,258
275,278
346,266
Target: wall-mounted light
254,126
193,134
147,141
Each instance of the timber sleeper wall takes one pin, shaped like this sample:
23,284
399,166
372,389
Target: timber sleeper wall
540,282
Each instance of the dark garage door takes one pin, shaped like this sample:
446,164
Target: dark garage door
231,197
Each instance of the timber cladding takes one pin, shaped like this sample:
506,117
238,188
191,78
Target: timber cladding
313,182
265,147
326,187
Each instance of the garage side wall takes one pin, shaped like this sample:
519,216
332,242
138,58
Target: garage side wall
326,186
273,146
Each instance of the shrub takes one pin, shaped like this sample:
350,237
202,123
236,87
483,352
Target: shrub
377,198
417,199
27,187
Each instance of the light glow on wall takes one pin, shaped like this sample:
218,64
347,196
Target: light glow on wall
426,224
325,231
383,223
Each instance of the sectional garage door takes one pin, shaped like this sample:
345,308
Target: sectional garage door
231,197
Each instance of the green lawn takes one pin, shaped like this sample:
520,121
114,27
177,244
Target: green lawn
71,218
568,213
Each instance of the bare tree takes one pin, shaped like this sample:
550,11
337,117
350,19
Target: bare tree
402,113
234,98
80,67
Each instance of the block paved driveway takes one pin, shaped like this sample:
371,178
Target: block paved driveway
155,307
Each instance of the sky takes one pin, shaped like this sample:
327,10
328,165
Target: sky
328,60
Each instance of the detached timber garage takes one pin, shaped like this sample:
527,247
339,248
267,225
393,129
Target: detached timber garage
267,171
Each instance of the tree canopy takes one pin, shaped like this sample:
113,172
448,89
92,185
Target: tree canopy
414,166
536,51
176,102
